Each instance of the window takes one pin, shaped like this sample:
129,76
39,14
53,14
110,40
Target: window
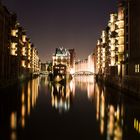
137,68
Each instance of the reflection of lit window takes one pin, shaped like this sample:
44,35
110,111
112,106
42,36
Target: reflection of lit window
13,120
13,135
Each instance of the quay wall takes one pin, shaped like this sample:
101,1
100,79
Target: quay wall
129,85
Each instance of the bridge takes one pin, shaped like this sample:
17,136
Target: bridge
83,73
44,72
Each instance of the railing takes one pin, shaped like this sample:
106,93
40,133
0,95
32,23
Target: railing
83,73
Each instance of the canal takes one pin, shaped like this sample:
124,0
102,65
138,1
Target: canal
81,109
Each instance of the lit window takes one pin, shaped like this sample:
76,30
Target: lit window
13,49
137,68
23,51
23,63
14,32
24,38
127,55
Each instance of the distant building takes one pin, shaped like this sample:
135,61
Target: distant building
61,56
44,66
81,66
91,63
61,61
72,60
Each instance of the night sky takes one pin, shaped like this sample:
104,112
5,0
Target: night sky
68,23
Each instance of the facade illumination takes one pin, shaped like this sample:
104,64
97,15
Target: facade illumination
13,49
14,32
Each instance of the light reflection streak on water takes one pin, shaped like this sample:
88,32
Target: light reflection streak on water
29,98
13,121
29,94
114,115
23,107
109,116
60,96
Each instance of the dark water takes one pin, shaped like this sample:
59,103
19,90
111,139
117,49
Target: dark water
81,109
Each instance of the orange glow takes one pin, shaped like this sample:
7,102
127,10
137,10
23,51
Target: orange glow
13,49
13,135
23,63
23,110
23,122
24,38
13,120
14,32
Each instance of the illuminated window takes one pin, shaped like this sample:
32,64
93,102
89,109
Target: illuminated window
23,63
121,15
121,32
23,51
24,38
29,66
121,40
137,68
14,32
13,49
112,27
121,48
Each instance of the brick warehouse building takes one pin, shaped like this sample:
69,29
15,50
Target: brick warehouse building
118,48
18,57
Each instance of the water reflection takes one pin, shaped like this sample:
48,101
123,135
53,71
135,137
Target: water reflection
81,105
13,120
18,106
109,115
61,95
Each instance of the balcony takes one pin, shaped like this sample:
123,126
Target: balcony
121,40
113,48
121,32
121,24
14,32
23,51
121,49
112,27
23,63
13,49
